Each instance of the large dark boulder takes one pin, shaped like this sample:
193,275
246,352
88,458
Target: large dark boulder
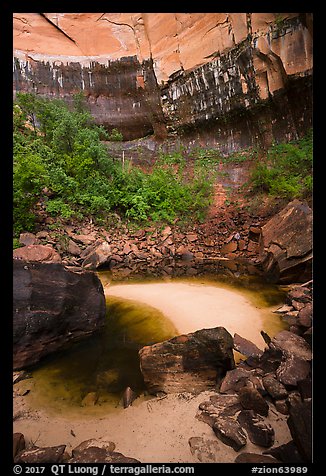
51,308
286,244
188,363
300,425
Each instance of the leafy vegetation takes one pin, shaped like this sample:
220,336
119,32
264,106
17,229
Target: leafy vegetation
62,168
286,170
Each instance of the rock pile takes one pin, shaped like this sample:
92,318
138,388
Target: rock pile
297,311
228,243
89,451
277,378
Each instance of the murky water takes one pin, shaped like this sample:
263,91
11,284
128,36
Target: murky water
91,376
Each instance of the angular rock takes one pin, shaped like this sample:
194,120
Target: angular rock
275,388
98,256
305,316
305,388
251,399
300,294
281,406
205,450
292,370
83,239
128,397
94,454
220,413
39,253
52,307
84,445
188,363
259,432
27,239
230,433
246,347
291,344
300,425
286,244
89,400
21,375
268,362
73,248
238,378
229,247
51,454
224,405
287,453
254,458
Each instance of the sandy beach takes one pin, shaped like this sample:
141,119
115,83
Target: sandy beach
193,306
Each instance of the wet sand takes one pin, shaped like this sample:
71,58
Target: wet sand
193,306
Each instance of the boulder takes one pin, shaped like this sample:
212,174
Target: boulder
292,370
52,307
27,239
230,433
300,425
18,443
84,445
40,253
275,388
246,347
188,363
95,454
220,413
291,344
205,450
51,454
254,458
99,255
286,244
259,432
89,400
238,378
287,453
251,399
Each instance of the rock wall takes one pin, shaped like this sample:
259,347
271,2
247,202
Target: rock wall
229,78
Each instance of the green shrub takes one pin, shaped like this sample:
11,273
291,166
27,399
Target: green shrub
61,162
286,171
115,135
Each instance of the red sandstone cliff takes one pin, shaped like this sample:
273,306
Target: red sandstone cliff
175,70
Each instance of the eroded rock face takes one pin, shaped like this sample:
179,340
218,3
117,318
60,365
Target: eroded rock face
154,72
188,363
286,244
51,308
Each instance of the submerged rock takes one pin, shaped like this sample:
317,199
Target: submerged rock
52,307
188,363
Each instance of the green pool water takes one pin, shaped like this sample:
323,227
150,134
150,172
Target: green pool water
105,364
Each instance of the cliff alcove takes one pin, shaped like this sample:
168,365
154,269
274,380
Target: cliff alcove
217,107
